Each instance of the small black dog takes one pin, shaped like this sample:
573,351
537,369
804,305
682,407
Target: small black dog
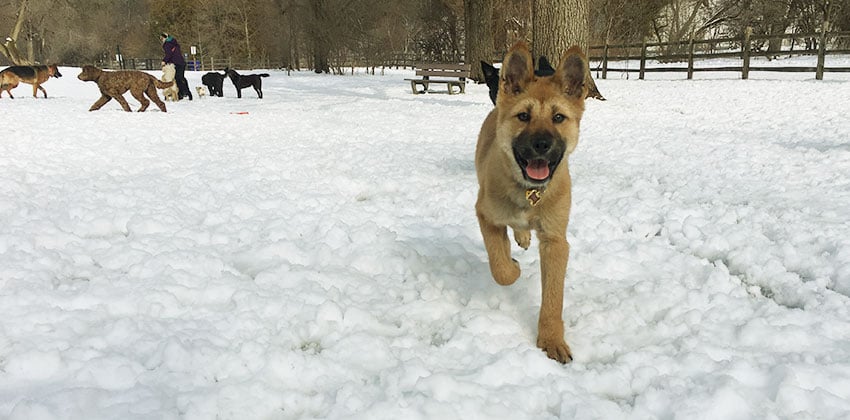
243,81
491,75
213,81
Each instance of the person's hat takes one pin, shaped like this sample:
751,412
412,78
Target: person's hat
163,35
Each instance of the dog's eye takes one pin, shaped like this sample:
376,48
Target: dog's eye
559,118
524,116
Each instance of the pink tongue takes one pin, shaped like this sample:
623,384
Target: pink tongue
537,169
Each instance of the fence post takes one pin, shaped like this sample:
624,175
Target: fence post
605,61
691,58
821,51
745,53
642,60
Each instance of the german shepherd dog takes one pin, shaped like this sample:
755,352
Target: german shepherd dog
214,81
34,75
113,84
524,178
247,80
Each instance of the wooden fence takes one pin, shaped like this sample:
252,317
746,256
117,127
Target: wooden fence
744,48
199,63
653,57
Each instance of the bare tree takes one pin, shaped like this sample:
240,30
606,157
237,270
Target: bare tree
438,36
511,23
9,48
677,21
478,17
623,20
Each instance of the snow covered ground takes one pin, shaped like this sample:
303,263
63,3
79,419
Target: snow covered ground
315,254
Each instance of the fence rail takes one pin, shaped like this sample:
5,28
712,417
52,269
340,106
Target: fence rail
744,48
199,63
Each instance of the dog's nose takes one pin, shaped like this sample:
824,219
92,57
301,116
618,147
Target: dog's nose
541,144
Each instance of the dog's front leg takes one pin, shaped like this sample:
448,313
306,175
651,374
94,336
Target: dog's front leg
554,253
123,102
504,269
100,102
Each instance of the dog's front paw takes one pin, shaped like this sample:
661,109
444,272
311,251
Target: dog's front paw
506,275
522,238
555,347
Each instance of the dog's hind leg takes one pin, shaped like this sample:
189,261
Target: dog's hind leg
140,96
8,88
100,102
151,92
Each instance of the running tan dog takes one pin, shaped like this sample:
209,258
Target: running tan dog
524,178
10,77
113,84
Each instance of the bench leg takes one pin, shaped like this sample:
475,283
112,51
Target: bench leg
413,87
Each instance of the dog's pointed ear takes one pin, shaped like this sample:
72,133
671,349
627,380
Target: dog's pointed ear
517,70
571,73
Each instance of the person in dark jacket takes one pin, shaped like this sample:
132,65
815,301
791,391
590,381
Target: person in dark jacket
173,55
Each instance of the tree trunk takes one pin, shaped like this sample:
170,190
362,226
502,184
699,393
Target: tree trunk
558,25
9,47
318,32
478,18
246,24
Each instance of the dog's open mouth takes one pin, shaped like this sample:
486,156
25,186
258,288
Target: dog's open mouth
537,170
538,156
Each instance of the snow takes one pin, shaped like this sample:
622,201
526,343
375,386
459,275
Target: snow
319,257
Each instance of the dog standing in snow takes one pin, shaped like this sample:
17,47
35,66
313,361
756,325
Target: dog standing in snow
170,93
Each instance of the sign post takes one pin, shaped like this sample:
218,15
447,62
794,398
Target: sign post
194,50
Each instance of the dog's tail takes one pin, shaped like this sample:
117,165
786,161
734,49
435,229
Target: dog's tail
162,85
263,75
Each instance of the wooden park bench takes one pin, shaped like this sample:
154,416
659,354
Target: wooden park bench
449,74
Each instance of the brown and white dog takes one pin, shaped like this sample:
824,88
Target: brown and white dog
524,178
10,77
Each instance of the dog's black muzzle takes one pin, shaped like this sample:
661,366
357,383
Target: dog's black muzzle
538,155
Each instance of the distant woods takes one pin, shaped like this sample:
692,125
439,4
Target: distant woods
324,35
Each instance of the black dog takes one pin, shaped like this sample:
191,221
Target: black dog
491,78
491,75
241,82
213,81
